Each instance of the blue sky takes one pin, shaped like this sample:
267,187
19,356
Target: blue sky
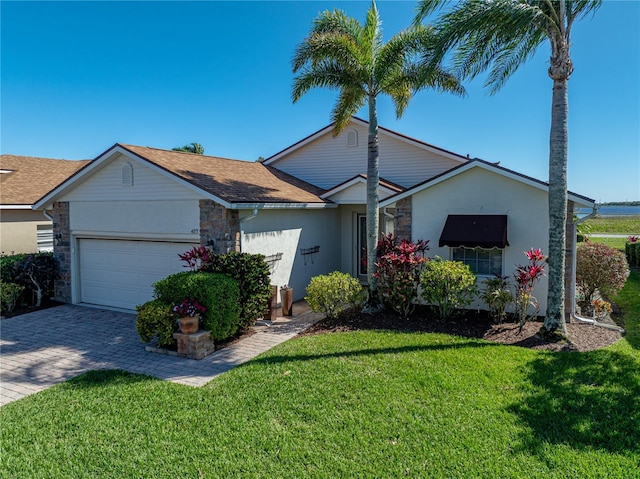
77,77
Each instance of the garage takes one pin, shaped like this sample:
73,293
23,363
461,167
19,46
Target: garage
120,273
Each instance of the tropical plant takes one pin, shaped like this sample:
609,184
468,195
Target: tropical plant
447,285
600,268
499,36
497,297
196,148
398,269
342,54
334,292
527,276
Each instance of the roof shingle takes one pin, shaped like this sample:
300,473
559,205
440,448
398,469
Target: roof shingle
234,181
29,178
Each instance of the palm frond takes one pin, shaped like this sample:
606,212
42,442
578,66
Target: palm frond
323,75
349,102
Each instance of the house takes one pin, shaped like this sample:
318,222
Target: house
23,180
121,221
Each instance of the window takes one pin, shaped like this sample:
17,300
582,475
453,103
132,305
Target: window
45,238
127,174
352,138
483,262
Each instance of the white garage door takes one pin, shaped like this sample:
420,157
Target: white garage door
120,273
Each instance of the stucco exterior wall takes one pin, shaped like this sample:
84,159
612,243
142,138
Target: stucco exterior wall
478,191
287,232
19,230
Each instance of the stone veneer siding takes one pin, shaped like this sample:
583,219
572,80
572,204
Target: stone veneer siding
62,251
220,226
402,220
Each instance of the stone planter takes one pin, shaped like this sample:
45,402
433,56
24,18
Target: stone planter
286,301
190,324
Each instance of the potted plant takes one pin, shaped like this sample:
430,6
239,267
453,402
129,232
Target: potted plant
188,313
286,300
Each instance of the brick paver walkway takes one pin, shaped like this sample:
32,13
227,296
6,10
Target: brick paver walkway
40,349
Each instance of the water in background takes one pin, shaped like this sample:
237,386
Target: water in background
612,211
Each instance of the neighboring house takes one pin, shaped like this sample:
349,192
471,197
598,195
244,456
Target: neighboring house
120,222
23,180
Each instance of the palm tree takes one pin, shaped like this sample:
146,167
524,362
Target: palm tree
341,54
499,36
196,148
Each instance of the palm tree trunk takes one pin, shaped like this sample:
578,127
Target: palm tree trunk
373,200
555,318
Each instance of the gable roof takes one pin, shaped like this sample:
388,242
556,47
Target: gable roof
26,178
387,186
493,167
233,183
358,121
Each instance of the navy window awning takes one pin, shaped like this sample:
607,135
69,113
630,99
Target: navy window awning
475,231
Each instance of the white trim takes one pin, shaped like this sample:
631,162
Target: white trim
381,131
477,164
352,182
16,207
122,235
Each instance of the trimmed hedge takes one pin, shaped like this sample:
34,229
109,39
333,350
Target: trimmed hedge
216,292
632,252
155,319
253,277
34,271
332,293
9,295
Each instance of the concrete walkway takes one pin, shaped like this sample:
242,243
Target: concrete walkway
40,349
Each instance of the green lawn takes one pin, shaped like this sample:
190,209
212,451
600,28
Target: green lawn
363,404
615,225
617,243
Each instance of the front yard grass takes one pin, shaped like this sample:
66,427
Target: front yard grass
358,404
626,225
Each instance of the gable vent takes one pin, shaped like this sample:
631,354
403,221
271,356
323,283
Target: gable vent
352,138
127,174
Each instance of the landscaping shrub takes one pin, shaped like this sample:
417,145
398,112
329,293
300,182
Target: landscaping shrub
6,265
632,251
155,319
497,296
9,295
216,292
447,285
249,270
398,269
600,268
332,293
36,272
526,278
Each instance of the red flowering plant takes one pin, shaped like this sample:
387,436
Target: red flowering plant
196,256
633,239
188,307
398,269
527,276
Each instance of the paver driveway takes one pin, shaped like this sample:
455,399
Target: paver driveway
40,349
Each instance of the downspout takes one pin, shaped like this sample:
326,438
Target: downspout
249,217
388,215
573,314
47,215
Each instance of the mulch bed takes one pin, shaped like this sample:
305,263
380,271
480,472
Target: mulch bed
471,324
